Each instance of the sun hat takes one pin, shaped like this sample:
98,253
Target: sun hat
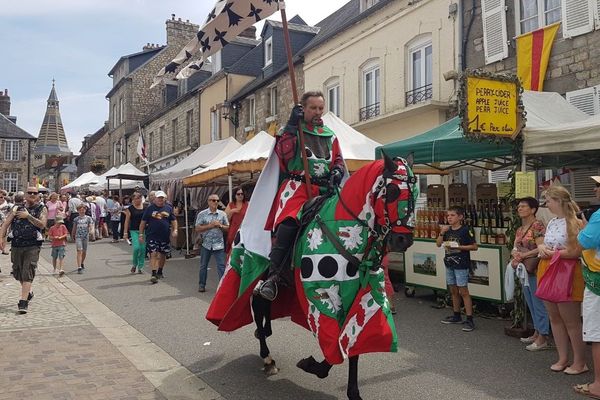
59,220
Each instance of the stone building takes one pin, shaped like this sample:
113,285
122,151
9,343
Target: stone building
16,150
265,103
94,152
575,58
52,157
188,119
131,100
380,65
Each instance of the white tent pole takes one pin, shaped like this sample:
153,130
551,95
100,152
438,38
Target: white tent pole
120,188
187,224
230,181
523,162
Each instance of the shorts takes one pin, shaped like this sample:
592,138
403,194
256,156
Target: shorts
155,246
81,244
591,316
58,252
101,221
457,277
24,262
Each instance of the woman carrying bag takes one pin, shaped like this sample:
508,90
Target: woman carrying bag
560,263
235,211
527,237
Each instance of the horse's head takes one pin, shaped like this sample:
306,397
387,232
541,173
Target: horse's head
395,199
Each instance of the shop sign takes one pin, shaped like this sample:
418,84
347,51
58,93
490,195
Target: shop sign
491,105
525,184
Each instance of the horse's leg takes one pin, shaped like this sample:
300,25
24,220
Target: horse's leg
352,388
262,316
310,365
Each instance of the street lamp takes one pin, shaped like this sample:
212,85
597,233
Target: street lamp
230,111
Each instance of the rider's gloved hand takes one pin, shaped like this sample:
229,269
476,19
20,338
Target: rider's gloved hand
295,116
335,178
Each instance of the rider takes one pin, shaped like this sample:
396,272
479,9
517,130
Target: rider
326,168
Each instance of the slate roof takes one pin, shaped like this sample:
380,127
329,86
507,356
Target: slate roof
9,130
138,59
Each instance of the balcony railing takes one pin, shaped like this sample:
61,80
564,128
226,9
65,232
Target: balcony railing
369,112
419,95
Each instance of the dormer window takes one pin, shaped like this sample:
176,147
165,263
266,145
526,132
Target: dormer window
366,4
269,51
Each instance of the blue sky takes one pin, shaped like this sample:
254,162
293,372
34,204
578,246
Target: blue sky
77,42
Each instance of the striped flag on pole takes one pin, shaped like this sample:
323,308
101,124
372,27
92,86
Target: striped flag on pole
227,19
533,53
141,147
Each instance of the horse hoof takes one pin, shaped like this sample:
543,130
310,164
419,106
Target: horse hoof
270,369
311,366
354,395
268,333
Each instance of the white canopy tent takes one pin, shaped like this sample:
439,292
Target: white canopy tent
84,179
125,183
124,173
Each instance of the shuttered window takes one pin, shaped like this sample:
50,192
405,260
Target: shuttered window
596,5
578,17
586,100
583,185
495,36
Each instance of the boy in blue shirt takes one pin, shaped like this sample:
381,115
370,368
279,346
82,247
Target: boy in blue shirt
458,241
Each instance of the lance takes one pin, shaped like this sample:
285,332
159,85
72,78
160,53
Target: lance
288,50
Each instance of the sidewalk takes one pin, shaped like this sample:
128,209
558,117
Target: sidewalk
71,346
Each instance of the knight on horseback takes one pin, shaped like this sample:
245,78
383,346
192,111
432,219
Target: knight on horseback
326,168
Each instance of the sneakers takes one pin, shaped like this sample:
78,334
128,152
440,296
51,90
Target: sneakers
469,325
536,347
23,304
201,289
29,296
140,271
154,279
527,340
452,319
61,272
159,273
80,270
132,270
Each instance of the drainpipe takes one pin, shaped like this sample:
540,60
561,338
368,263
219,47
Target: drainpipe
29,161
466,37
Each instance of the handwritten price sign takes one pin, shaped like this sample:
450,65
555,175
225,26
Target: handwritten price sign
492,107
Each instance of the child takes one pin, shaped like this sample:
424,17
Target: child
458,241
58,235
82,227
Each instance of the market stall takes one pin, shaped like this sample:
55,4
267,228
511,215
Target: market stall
124,173
84,179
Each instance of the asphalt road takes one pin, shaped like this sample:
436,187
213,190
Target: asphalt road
435,361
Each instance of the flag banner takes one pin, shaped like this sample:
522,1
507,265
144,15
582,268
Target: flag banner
141,147
227,20
533,53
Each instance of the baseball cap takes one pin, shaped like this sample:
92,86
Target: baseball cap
596,178
160,193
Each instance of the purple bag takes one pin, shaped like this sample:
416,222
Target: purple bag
556,284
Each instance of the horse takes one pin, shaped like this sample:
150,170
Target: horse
337,289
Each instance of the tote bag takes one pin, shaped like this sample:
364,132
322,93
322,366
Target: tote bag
556,284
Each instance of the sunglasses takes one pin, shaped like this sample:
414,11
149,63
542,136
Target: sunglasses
212,200
239,194
32,193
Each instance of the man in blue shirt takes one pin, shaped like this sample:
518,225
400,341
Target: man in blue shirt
159,224
211,224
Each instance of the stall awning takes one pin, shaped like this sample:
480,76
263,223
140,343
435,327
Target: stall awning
445,143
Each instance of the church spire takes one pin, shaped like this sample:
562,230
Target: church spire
52,139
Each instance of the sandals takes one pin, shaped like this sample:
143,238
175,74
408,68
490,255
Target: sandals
572,371
585,390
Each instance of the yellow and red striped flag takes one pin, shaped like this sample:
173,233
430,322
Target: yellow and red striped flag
533,53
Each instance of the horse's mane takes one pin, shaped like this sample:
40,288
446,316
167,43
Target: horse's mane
356,188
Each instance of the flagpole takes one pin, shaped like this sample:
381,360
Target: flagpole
288,50
147,157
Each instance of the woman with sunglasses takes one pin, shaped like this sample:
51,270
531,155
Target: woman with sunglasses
236,210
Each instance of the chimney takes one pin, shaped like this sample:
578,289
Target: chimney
179,32
249,33
4,103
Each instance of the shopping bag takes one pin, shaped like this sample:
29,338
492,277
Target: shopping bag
556,284
509,282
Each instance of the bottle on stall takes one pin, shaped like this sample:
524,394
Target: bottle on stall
483,236
506,213
474,215
435,230
492,236
499,220
501,238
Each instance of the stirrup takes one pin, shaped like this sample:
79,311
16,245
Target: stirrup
268,290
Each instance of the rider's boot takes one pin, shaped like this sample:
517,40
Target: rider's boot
279,259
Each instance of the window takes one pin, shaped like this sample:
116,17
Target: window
114,116
214,126
175,134
268,51
11,150
535,14
251,111
11,181
273,101
495,34
333,98
116,153
151,147
586,100
215,61
421,76
121,111
189,125
370,91
161,141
